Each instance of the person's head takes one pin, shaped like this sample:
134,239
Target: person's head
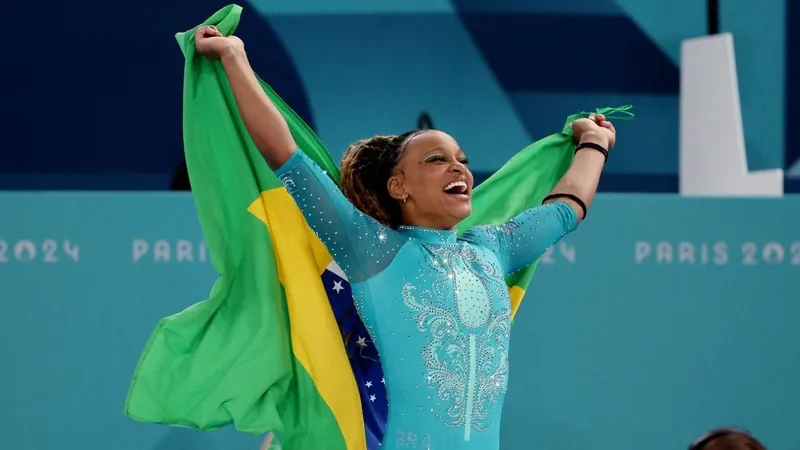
727,439
418,178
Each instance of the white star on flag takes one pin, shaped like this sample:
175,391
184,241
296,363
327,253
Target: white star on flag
337,286
368,384
361,342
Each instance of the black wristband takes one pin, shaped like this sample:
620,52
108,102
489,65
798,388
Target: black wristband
593,146
571,197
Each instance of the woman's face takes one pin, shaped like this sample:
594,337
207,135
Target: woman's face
433,178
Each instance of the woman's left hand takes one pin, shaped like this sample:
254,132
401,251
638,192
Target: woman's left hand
595,129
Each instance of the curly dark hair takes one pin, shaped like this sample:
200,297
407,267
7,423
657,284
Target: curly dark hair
366,167
727,439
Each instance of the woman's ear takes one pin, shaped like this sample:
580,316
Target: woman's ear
396,188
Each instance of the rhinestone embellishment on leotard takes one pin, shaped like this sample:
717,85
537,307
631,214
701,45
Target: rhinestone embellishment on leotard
467,356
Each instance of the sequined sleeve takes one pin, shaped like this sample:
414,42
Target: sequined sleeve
519,242
358,243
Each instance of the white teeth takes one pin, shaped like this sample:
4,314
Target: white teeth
454,184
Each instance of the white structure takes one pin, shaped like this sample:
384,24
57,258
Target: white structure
713,161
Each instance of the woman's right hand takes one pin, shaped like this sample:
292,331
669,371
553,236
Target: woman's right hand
210,43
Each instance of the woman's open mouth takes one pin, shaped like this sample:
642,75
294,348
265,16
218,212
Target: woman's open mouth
457,189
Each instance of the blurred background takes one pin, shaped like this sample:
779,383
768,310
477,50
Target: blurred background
670,312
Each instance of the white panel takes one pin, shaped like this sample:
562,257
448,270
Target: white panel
712,147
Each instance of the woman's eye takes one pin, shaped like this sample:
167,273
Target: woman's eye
436,158
464,162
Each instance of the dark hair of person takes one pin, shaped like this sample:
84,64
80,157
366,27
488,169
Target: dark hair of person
727,439
366,167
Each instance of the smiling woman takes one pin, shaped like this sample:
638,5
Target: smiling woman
435,303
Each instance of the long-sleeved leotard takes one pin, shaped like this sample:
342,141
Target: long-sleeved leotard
435,304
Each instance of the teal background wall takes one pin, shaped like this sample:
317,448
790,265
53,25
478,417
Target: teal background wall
660,318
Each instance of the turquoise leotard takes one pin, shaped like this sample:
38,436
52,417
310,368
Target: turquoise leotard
436,306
